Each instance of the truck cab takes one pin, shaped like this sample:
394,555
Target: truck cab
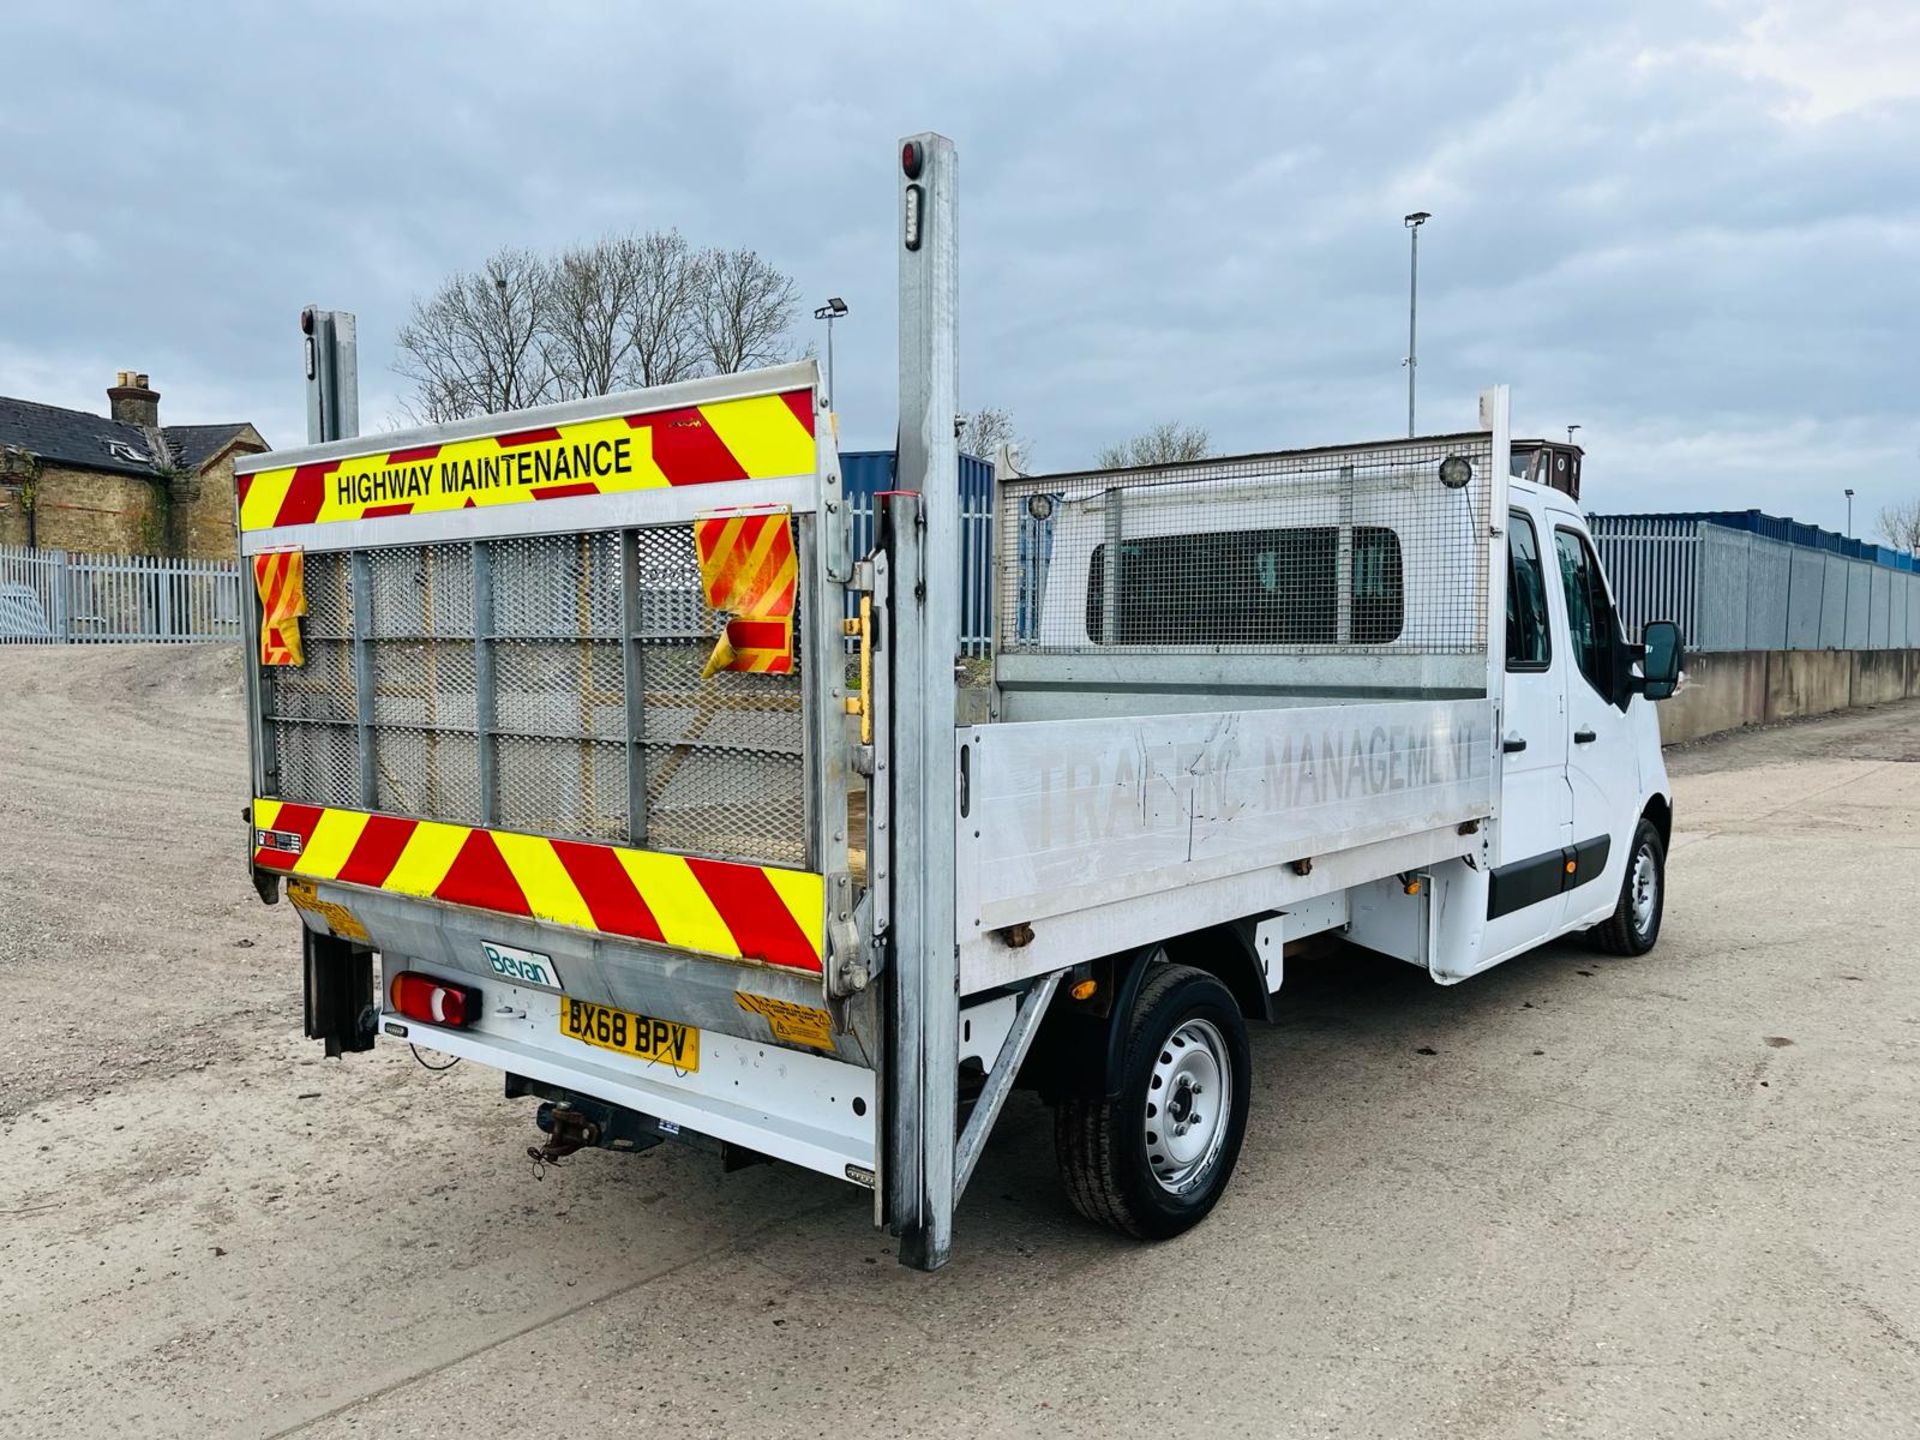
1584,791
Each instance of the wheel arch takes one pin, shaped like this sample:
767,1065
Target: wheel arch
1079,1050
1658,811
1227,953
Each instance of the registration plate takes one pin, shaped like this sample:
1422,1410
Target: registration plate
665,1042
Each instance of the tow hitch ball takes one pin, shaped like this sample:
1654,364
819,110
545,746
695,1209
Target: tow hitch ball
567,1130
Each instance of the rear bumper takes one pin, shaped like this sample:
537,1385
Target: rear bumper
798,1107
713,994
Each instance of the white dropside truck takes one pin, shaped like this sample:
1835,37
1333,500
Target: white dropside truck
801,896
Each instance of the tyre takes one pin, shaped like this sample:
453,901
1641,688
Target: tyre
1153,1163
1634,927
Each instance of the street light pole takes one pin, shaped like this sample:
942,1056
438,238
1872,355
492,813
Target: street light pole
830,312
1413,223
1849,513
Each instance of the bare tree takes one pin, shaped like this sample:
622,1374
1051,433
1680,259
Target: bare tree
747,307
1165,444
1900,525
664,323
625,311
477,344
592,293
984,431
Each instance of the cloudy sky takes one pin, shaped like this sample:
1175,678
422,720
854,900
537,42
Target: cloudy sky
1691,228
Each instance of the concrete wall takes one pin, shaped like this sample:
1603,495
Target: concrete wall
1727,689
1883,675
1808,682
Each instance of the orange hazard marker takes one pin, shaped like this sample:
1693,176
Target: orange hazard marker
749,573
280,577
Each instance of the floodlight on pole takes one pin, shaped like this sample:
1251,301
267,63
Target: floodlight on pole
834,309
1570,430
1413,223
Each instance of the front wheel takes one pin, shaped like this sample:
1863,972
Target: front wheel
1154,1162
1634,926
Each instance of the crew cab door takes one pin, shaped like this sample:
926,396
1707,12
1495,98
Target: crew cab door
1525,903
1603,765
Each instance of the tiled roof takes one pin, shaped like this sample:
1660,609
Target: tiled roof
94,442
194,445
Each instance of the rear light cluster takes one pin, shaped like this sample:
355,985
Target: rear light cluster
433,1002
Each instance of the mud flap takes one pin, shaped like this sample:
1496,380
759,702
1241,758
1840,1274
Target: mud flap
339,993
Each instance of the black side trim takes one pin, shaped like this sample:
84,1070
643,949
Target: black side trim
1525,882
1589,859
1541,877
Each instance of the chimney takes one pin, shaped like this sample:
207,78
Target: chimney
133,402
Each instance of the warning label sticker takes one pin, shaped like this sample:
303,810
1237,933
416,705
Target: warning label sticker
336,918
794,1024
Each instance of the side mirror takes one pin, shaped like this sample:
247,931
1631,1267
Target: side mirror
1660,665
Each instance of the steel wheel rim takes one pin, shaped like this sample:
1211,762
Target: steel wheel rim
1644,890
1189,1096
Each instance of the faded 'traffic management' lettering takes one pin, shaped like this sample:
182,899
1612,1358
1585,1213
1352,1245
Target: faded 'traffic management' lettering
1167,786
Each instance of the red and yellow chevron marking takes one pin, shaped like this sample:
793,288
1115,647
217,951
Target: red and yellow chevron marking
746,561
748,570
758,437
736,912
761,647
280,577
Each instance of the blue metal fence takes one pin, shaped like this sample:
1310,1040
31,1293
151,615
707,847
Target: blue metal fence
865,473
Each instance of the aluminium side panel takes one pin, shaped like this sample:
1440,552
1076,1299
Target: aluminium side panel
1769,591
1723,590
1833,604
1806,592
1880,608
1859,607
1061,816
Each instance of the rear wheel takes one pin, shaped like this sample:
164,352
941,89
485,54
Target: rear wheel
1154,1162
1634,927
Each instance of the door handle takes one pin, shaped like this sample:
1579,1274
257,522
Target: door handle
1512,745
1584,737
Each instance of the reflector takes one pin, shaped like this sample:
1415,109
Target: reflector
912,227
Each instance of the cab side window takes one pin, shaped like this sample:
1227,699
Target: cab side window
1591,625
1529,643
1278,587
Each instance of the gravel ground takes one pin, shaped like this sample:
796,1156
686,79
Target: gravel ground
130,936
1576,1196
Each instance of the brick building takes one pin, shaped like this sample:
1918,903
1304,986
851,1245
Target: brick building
122,482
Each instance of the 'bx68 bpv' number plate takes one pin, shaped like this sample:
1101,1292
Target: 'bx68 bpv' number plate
666,1042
